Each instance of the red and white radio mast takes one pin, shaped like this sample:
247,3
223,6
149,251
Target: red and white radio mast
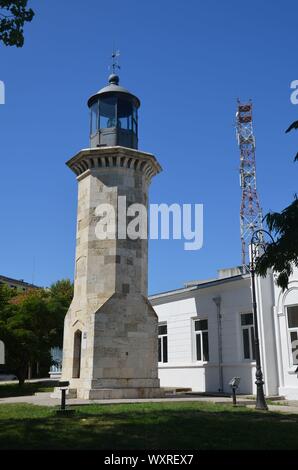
251,215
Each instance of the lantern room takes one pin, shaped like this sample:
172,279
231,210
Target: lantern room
114,116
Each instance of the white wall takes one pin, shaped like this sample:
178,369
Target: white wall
178,310
288,380
267,336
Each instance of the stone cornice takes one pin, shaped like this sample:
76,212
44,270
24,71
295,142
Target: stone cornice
114,157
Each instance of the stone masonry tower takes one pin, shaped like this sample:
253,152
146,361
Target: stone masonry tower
110,331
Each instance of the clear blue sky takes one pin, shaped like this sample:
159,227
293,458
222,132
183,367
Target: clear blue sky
188,61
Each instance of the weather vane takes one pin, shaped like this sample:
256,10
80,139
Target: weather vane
115,61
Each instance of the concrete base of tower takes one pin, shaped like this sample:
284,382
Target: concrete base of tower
111,393
119,393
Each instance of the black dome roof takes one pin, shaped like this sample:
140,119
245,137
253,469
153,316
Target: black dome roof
112,88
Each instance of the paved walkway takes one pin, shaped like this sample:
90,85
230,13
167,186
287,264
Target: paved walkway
44,399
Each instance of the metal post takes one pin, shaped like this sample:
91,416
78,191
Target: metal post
63,399
234,396
234,384
260,401
63,411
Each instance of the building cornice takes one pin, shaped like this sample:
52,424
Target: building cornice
105,158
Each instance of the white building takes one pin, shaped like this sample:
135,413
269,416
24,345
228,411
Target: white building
206,334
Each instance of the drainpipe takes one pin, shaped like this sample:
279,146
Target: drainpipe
217,301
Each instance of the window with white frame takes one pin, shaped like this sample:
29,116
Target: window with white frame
292,314
248,336
201,340
162,342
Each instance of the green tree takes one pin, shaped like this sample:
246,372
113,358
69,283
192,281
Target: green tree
282,255
25,328
60,297
5,295
31,323
13,15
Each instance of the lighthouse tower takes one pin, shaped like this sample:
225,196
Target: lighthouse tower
110,331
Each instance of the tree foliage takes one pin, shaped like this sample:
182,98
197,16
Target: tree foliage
282,255
31,323
13,15
61,294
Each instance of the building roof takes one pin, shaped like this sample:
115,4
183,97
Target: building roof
20,282
197,285
112,88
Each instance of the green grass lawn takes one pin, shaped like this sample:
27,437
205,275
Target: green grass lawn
29,388
147,426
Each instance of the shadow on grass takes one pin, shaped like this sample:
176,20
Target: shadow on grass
148,426
29,388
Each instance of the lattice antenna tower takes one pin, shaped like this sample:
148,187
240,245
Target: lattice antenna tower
251,215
